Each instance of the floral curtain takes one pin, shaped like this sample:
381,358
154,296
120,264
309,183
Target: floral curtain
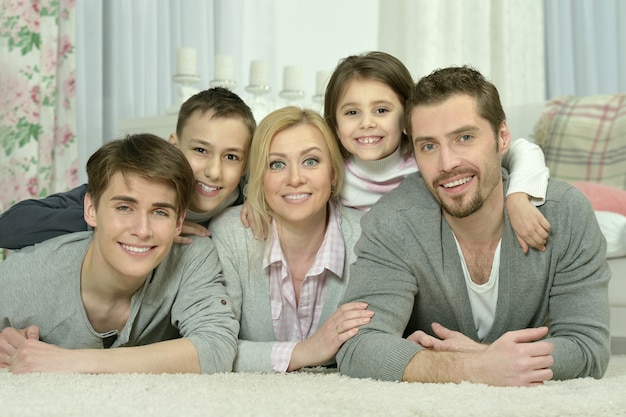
38,154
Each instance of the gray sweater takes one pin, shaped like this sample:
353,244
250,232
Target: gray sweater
248,284
185,296
409,271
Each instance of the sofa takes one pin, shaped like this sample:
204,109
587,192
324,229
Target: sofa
584,142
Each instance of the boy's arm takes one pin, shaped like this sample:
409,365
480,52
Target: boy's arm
26,355
33,221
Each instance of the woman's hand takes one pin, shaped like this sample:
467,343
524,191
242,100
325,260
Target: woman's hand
326,341
530,226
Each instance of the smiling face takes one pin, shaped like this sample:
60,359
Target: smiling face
369,119
135,223
299,176
217,149
458,154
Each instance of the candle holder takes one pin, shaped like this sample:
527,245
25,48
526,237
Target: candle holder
184,90
260,106
318,103
292,96
230,84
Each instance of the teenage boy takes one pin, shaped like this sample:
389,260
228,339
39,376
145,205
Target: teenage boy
122,297
214,131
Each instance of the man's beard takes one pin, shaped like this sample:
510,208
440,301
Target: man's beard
457,209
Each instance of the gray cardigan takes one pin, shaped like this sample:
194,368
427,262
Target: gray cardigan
408,270
183,297
247,283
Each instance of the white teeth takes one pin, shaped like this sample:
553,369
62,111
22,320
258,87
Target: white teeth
368,140
457,182
296,197
136,249
206,188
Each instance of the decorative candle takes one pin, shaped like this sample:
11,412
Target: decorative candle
224,67
186,61
321,78
292,78
259,73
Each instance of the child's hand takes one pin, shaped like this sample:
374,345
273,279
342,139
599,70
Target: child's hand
244,215
246,221
529,225
191,228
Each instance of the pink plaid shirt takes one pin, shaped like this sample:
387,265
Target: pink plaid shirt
293,321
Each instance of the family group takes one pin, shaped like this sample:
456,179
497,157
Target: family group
403,235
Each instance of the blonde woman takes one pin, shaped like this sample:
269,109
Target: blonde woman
286,289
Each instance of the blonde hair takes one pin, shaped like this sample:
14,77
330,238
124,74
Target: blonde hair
274,123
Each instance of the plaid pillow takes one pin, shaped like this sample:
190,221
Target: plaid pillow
584,138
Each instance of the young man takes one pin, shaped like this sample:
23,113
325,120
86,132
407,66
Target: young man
214,131
121,298
437,260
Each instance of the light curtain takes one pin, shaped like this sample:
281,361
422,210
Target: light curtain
126,63
586,47
504,39
37,99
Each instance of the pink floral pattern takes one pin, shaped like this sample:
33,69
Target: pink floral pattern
38,150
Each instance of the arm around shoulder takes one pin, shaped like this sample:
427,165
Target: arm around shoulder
33,221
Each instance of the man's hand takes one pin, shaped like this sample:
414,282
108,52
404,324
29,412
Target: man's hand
191,228
12,340
517,358
446,341
530,226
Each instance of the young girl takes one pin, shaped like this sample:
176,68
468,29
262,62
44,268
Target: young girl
364,105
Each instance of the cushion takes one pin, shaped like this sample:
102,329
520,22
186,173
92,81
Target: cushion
613,227
584,138
603,197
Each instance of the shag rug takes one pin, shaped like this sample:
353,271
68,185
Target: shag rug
307,393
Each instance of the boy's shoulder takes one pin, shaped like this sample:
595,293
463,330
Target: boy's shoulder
49,257
229,218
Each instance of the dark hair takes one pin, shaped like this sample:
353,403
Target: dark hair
376,65
146,156
222,102
444,83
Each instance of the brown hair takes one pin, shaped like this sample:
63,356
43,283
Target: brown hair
376,65
222,102
274,123
146,156
444,83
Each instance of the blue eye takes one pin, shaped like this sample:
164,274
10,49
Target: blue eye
428,147
465,138
311,162
276,165
163,213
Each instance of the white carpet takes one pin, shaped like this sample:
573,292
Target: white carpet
301,394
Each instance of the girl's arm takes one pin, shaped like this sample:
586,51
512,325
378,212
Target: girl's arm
528,181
